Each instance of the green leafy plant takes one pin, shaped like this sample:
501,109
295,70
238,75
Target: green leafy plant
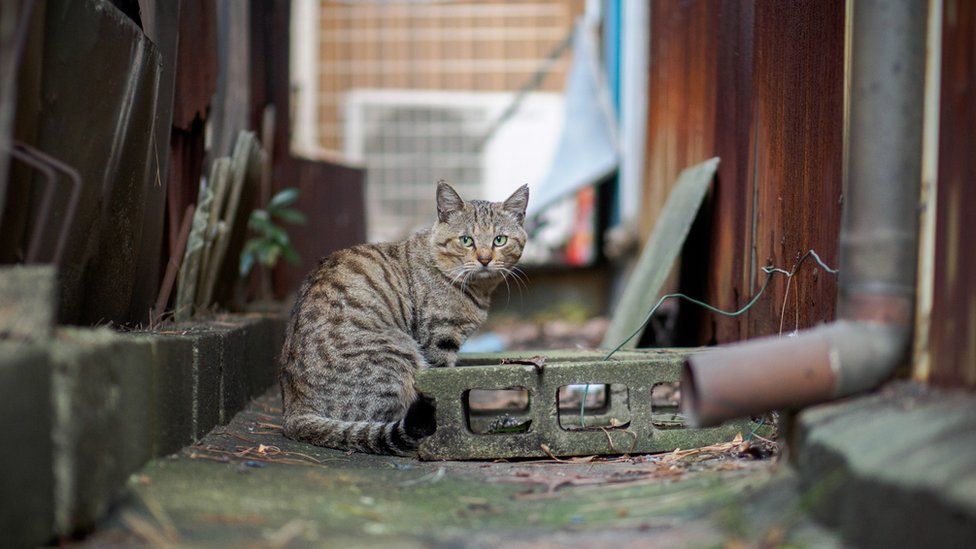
272,242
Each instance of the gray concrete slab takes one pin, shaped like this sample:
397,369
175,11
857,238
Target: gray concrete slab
895,468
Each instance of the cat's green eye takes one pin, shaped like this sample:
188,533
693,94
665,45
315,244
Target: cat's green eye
466,241
500,240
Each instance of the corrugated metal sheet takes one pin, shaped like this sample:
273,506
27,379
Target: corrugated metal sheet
760,85
160,21
952,334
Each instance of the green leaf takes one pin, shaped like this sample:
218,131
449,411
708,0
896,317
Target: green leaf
290,255
278,235
251,245
259,214
247,263
284,198
261,225
294,217
269,256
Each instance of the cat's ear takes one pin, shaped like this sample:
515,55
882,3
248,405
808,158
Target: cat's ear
517,203
448,201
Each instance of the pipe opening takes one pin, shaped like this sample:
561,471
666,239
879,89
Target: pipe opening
688,401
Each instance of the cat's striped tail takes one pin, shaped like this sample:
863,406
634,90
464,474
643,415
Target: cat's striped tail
399,437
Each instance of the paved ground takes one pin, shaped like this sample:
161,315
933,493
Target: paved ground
246,485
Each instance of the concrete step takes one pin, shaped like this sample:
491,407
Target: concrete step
893,469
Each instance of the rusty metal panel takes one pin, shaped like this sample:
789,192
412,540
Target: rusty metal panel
730,233
193,89
953,327
196,66
681,98
186,152
760,85
797,154
332,198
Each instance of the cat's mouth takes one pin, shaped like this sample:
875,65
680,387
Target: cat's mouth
486,272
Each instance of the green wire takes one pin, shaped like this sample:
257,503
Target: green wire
770,271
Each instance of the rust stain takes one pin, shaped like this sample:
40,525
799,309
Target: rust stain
761,85
681,97
952,335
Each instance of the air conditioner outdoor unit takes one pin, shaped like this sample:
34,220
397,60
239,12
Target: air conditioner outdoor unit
408,140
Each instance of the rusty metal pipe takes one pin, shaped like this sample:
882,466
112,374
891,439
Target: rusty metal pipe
878,244
772,373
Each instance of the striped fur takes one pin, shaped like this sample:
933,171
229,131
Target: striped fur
369,317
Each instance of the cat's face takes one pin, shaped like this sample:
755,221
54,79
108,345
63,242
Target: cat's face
477,239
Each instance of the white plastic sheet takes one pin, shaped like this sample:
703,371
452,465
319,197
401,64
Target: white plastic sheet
587,151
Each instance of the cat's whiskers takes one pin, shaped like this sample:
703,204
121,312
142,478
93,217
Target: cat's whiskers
460,271
521,279
508,289
508,272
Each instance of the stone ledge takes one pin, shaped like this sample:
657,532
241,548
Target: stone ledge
235,358
25,468
101,383
28,298
96,405
894,468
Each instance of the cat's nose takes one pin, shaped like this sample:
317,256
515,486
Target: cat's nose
485,258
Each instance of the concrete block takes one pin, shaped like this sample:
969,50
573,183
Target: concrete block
101,384
639,372
234,393
26,469
28,301
264,338
250,346
205,372
172,405
233,359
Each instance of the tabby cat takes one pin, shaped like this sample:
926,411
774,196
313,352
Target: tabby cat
370,317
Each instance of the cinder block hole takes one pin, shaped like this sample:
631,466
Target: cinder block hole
665,398
497,411
607,406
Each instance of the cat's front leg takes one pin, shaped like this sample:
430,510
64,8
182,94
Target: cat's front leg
441,341
442,352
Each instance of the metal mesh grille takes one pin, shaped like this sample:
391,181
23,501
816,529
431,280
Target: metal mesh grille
405,150
444,47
